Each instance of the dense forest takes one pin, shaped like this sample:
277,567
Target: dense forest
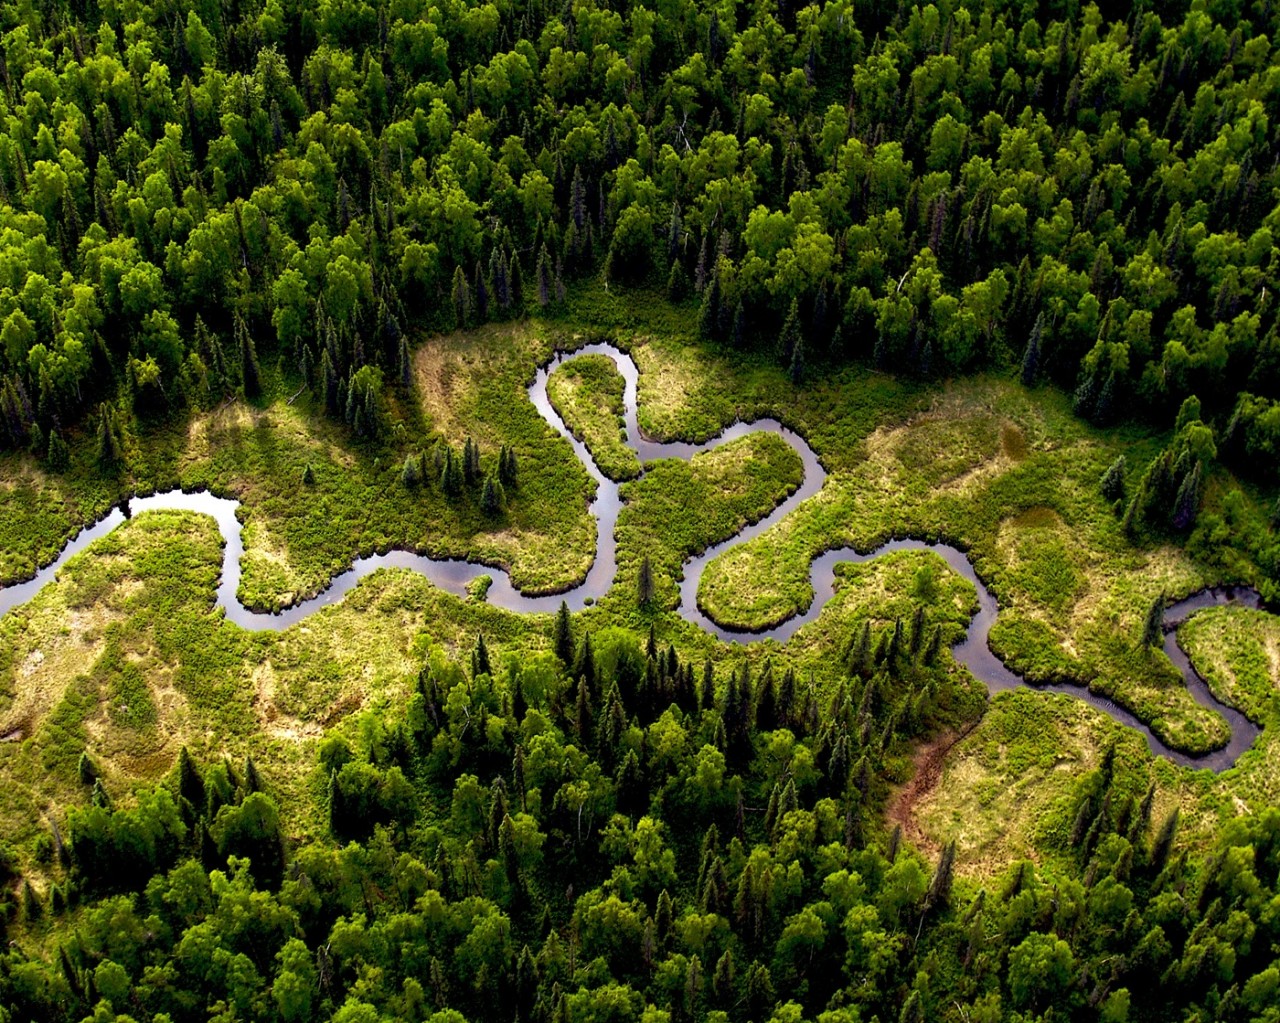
650,842
202,201
1082,193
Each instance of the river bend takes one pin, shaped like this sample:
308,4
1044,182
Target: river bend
453,574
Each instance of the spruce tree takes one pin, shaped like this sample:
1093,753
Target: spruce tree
480,294
492,499
461,298
507,466
796,368
676,282
1112,482
544,278
250,373
1031,355
562,636
1163,844
1187,504
109,449
1153,627
471,462
59,455
645,587
709,316
190,782
480,664
790,338
409,474
451,478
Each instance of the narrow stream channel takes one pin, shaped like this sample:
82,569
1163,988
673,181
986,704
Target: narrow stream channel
453,574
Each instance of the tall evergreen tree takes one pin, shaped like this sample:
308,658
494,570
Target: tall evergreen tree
562,636
250,373
646,589
1153,627
1031,355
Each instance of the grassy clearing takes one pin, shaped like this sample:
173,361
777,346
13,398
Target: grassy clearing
1007,473
680,508
1012,477
298,537
1237,651
587,392
126,656
1007,789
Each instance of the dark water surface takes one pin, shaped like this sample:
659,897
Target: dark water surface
454,574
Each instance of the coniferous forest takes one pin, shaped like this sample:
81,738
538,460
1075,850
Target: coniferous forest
277,205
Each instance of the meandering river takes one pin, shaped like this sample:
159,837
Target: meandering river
455,574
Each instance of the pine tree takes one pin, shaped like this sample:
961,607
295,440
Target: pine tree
109,450
409,474
709,316
461,298
250,373
492,499
1112,482
645,587
1187,504
562,636
1031,356
1153,628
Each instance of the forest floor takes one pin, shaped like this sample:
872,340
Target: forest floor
132,671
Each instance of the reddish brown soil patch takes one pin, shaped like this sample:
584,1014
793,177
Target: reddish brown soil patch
928,760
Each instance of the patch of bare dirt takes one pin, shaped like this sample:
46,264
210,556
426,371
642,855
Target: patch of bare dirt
928,761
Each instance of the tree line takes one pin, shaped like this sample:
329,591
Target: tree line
1081,194
608,832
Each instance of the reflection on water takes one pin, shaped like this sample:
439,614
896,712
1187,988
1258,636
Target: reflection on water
453,574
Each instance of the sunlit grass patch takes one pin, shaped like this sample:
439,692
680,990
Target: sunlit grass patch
587,392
